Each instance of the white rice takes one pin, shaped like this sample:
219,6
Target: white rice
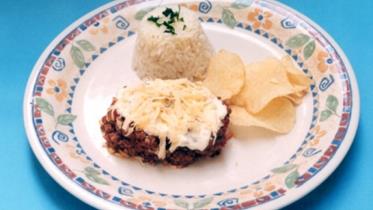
166,56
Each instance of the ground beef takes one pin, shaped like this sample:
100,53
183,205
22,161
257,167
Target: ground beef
139,144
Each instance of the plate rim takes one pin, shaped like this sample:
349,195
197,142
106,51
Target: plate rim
339,156
36,147
92,200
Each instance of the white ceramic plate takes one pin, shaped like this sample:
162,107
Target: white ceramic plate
73,82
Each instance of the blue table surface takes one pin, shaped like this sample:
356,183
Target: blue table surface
27,27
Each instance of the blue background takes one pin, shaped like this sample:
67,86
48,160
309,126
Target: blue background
27,27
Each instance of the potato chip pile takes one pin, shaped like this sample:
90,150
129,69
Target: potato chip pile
262,94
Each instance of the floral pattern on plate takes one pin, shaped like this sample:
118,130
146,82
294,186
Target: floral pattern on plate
60,74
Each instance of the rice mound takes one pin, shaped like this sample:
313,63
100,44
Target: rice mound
160,55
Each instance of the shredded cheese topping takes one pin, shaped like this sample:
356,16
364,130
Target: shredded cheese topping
185,113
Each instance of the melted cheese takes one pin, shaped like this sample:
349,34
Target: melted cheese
186,113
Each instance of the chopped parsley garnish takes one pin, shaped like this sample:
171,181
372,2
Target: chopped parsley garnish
168,12
169,28
170,18
154,20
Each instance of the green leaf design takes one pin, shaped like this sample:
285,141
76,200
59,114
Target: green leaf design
77,56
332,103
141,13
94,175
91,171
325,114
97,179
240,4
297,41
100,180
182,204
86,45
228,18
284,168
309,49
201,203
45,106
291,179
65,119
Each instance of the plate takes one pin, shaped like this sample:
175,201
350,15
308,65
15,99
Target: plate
74,80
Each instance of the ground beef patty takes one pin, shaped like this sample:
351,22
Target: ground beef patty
138,143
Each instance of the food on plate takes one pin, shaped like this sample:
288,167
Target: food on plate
171,44
265,81
263,94
278,116
226,74
166,121
295,98
297,78
180,112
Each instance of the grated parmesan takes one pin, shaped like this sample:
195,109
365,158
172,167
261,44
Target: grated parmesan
186,113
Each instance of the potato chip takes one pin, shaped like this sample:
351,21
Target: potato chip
278,116
265,81
296,98
297,78
226,74
267,94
